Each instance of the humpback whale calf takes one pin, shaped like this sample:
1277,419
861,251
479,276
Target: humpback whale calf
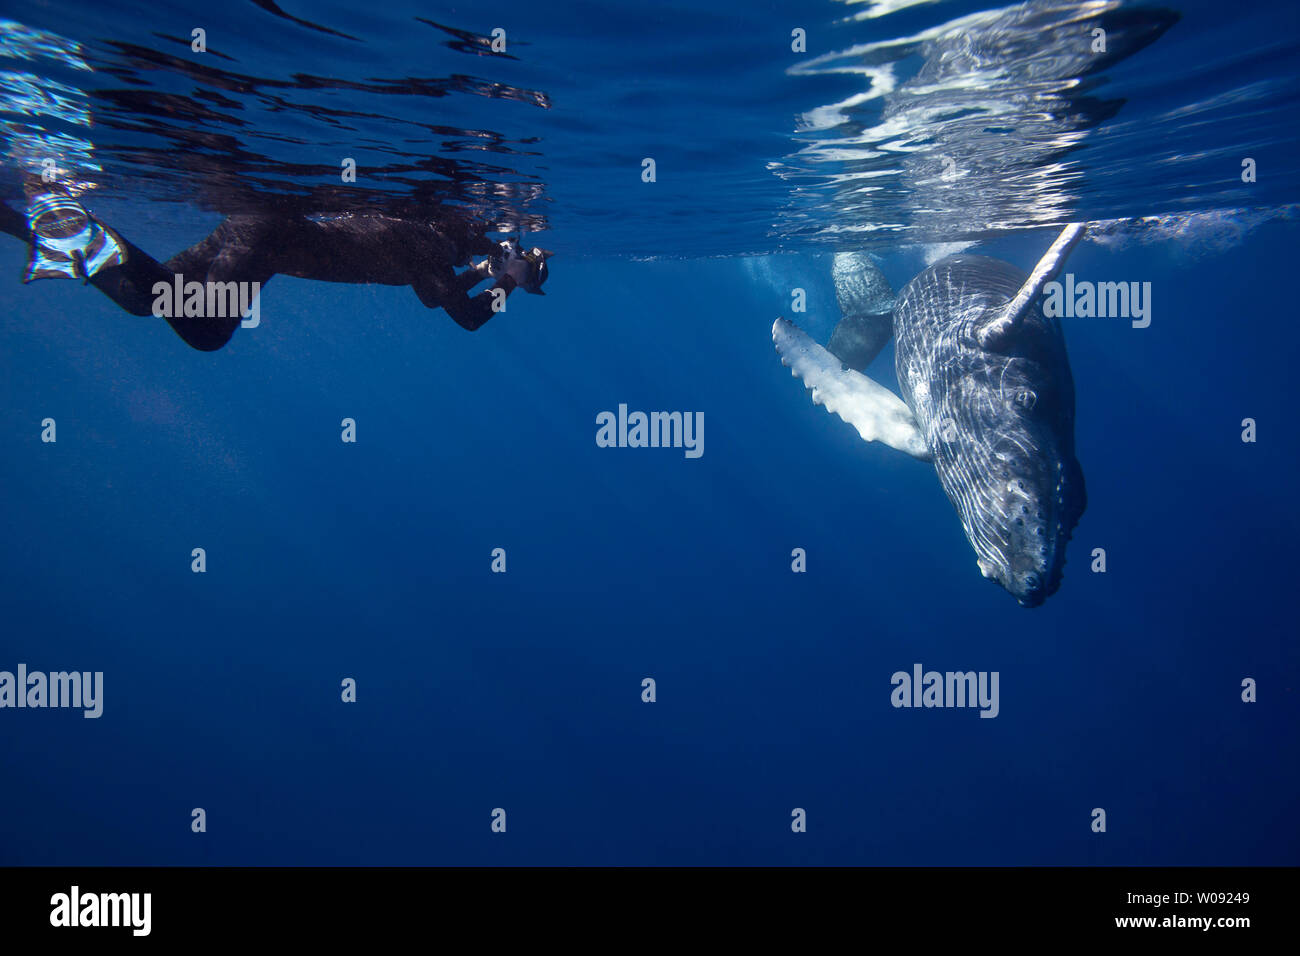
987,396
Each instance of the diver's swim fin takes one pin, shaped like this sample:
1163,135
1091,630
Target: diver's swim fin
67,242
876,412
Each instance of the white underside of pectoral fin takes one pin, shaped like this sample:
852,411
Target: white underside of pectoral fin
876,412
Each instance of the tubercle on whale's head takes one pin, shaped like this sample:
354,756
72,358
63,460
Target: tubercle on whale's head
1027,587
1024,525
1011,474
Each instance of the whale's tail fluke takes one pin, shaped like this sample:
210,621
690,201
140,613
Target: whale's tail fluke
866,302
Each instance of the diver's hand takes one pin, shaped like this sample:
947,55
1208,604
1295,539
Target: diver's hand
527,270
499,262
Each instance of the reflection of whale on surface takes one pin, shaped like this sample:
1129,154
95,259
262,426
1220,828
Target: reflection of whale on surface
969,128
987,396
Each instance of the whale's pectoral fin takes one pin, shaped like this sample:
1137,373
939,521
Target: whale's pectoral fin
993,334
876,412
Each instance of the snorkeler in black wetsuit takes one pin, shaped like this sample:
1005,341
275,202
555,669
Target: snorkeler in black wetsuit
351,247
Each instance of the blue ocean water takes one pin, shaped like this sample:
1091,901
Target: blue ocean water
523,690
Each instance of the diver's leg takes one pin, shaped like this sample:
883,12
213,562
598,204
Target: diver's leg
131,286
14,223
225,255
240,250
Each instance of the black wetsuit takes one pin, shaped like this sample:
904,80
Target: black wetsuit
351,247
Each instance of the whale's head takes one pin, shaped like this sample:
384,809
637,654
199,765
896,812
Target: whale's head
1000,422
1020,496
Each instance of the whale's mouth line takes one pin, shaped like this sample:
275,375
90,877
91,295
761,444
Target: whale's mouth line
1018,527
1011,477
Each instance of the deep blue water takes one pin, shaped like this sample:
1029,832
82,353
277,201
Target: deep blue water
522,690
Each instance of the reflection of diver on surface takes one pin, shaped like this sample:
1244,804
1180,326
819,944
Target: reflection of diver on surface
67,242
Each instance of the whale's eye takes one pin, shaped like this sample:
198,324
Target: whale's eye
1026,398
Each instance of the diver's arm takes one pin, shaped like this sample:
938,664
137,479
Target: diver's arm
442,288
473,276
